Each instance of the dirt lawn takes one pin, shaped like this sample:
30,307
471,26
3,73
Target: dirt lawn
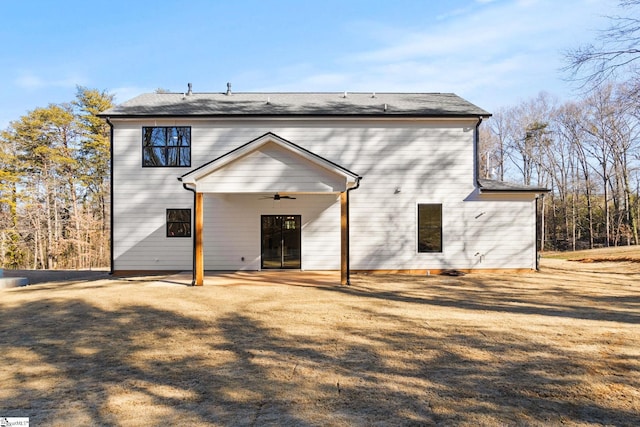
559,347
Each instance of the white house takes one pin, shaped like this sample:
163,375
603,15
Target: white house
380,182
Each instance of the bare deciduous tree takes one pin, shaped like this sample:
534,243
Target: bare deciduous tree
615,50
586,152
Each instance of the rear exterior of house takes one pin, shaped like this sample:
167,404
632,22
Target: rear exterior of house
310,181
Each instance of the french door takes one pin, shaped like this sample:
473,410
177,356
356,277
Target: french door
281,241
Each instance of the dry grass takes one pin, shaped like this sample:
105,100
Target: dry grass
614,254
559,347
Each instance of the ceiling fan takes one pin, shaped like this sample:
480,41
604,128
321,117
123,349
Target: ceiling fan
278,197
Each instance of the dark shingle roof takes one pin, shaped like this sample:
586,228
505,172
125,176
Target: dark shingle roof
490,185
296,104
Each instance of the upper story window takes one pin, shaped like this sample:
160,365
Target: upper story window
168,146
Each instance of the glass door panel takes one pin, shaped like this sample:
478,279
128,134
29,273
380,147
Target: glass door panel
281,239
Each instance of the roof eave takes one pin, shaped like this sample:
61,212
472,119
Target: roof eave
347,116
533,191
493,186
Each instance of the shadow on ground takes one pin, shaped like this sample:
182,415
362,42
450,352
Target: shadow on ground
366,355
47,276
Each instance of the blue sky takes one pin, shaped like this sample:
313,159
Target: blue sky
494,53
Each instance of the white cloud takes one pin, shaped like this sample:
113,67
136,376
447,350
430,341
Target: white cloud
498,28
31,81
498,51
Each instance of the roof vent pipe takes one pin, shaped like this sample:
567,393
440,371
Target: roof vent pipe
189,92
228,88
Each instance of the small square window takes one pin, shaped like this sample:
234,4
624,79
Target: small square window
429,228
166,146
178,222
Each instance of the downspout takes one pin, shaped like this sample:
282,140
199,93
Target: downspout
476,144
539,230
111,252
193,237
537,236
355,187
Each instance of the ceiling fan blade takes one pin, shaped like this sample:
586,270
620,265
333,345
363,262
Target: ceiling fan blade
278,197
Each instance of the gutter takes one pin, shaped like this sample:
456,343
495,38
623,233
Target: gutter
515,190
348,229
193,237
111,260
287,116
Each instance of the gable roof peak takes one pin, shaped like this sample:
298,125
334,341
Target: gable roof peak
258,143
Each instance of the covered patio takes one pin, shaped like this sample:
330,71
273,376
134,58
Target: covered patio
270,167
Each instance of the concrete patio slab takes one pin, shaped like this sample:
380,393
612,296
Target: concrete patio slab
232,278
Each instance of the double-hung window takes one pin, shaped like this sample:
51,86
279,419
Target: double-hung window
429,228
166,146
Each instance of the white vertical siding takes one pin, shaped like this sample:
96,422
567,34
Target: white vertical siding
430,161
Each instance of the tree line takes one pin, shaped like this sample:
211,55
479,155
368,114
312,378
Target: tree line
585,152
54,186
